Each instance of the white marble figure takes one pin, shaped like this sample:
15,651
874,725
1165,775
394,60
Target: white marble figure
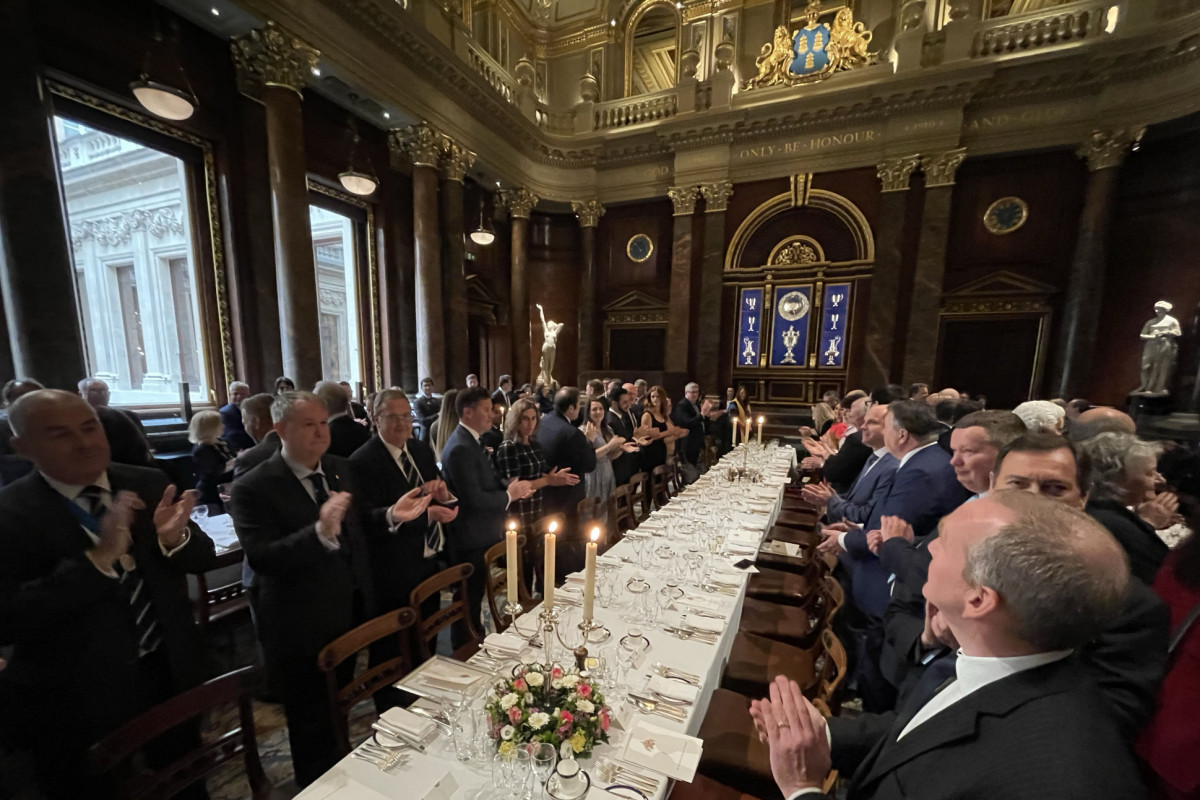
550,330
1159,351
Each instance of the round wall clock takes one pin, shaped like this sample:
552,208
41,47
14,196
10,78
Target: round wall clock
1006,215
639,248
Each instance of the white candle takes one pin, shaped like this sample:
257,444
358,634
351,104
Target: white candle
737,424
746,434
589,576
511,556
760,423
548,574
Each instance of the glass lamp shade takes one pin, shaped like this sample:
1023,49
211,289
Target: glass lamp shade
483,237
359,183
162,100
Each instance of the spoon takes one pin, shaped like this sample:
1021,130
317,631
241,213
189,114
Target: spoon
654,707
670,672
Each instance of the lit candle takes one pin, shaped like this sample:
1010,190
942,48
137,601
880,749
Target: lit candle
511,556
760,422
589,576
737,424
548,574
746,435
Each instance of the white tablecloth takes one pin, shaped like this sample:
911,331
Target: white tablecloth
353,779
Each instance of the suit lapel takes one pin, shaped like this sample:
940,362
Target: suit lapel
49,508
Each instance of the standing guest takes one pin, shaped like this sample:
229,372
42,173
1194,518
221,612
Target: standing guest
483,497
594,391
729,395
1124,472
623,423
822,412
841,468
447,422
600,482
284,384
504,394
428,408
358,411
212,460
695,417
300,527
126,434
544,404
345,435
231,415
1042,416
739,406
12,465
472,381
1075,408
566,447
641,393
656,421
871,485
493,436
525,391
256,420
918,392
393,465
520,456
93,597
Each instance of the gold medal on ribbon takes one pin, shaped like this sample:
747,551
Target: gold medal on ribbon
127,562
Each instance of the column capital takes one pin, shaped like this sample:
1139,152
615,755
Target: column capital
271,56
683,198
1107,149
519,202
894,172
421,143
588,211
939,168
716,195
456,159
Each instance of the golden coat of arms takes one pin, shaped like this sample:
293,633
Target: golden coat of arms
814,52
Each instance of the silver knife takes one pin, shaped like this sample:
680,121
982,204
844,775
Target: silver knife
441,724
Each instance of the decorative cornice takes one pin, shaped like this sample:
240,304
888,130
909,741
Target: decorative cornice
519,202
895,172
716,195
588,211
118,228
1107,149
270,56
683,198
939,168
455,159
421,143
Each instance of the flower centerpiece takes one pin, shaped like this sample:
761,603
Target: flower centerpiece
547,704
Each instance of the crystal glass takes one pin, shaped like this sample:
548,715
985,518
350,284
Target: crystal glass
637,586
522,772
544,756
605,588
200,513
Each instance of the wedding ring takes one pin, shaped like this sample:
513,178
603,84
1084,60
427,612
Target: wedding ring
782,724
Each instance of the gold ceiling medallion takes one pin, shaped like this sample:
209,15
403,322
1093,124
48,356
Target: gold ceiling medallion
814,52
1006,215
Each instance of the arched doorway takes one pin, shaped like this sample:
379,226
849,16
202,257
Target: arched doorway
652,43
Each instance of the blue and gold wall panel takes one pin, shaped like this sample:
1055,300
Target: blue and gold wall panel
750,325
789,326
835,323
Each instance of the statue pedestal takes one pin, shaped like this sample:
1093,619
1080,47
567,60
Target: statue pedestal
1149,410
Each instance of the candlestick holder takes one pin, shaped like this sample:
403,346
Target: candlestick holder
594,631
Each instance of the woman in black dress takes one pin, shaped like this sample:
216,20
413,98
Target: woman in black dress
662,432
212,460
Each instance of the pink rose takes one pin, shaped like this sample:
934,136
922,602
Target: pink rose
514,715
567,717
564,731
556,672
519,685
604,720
584,690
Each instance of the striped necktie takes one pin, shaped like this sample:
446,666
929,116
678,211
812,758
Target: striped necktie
435,538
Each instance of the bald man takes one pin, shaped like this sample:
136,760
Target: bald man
93,597
1101,419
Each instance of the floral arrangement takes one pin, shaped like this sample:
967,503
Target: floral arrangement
546,704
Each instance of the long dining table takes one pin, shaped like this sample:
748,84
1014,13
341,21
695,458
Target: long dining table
744,508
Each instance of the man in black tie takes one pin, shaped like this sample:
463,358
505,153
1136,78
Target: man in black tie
256,419
301,530
623,423
695,416
1017,582
345,435
93,596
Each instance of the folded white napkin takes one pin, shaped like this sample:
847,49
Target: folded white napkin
411,725
706,624
676,690
662,750
444,675
504,642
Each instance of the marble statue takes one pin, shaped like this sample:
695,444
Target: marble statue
550,330
1159,351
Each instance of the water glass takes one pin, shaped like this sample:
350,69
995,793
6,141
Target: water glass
544,757
604,590
463,734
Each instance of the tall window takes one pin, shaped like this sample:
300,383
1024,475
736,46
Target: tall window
337,294
128,212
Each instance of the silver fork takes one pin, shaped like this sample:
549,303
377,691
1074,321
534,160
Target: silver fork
612,772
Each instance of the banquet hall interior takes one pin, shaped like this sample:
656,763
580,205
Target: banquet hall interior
691,399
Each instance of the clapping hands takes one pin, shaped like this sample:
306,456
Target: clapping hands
794,730
561,476
817,494
411,505
171,518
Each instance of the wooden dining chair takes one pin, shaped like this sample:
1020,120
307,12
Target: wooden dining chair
115,756
495,561
458,611
624,518
386,635
831,667
658,484
640,497
212,605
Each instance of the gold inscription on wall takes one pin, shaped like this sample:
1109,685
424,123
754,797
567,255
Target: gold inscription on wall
1014,119
810,144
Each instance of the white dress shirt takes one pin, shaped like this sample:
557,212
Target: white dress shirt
912,453
878,453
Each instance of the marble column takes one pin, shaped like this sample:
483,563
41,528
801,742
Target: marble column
520,203
456,160
589,213
679,309
712,267
894,175
920,345
397,291
37,275
275,66
1073,363
424,146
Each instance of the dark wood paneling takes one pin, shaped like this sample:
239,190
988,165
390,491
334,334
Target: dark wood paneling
554,282
617,274
746,198
970,361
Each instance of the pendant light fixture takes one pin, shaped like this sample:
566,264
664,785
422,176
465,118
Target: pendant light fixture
484,234
163,95
353,180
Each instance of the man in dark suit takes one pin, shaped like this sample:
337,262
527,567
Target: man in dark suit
357,410
695,416
93,595
842,468
493,437
624,424
235,434
256,419
504,394
300,528
124,429
1004,569
566,448
871,485
345,435
429,408
483,497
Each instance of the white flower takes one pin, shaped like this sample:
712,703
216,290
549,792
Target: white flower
508,701
557,683
506,733
585,706
534,678
539,720
529,698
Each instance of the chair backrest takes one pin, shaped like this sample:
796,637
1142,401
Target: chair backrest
457,611
392,625
211,605
114,754
495,562
640,497
589,511
834,595
623,516
833,667
658,483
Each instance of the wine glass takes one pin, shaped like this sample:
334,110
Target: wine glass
544,757
199,513
665,597
522,771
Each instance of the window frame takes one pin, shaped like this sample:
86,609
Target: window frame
204,219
